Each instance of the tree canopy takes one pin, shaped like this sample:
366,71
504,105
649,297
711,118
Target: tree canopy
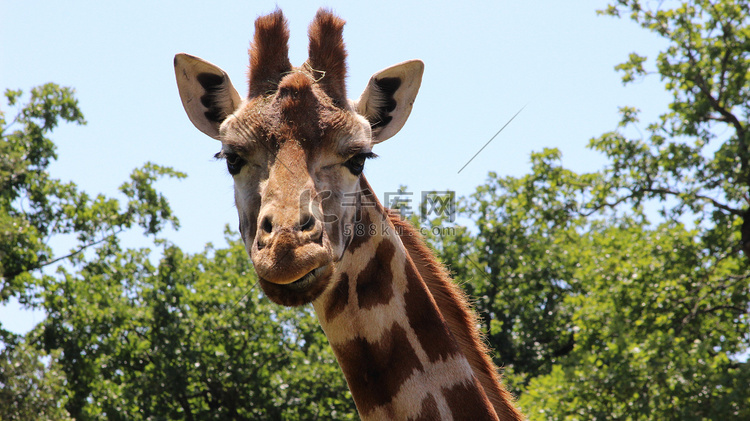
624,293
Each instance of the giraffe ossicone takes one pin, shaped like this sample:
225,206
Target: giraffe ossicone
296,147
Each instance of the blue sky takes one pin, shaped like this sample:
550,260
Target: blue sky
484,62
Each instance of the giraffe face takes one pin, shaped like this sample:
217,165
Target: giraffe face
296,148
296,160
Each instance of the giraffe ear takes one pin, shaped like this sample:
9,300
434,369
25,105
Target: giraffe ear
387,100
206,93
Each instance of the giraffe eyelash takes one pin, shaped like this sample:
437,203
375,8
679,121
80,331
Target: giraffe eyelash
356,164
234,161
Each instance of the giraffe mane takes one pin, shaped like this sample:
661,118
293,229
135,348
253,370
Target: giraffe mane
462,321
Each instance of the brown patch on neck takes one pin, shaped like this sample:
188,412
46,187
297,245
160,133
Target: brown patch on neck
269,53
327,54
429,410
467,403
375,281
376,371
461,320
422,314
362,225
359,229
339,298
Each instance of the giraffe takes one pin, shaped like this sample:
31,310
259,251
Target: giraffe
402,332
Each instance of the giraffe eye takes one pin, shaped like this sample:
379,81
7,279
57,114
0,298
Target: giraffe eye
234,163
356,163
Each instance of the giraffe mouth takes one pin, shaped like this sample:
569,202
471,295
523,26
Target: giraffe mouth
307,280
302,291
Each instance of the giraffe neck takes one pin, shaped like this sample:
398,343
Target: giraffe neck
462,322
394,347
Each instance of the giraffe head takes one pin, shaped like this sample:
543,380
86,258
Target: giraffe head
296,147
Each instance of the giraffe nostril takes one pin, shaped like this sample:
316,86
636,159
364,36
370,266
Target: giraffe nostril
306,222
266,225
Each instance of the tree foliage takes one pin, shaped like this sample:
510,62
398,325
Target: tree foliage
29,388
602,309
34,207
696,158
189,338
519,263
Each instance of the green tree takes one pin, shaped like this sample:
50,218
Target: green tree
519,260
189,338
29,388
656,337
597,308
603,316
34,207
696,158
